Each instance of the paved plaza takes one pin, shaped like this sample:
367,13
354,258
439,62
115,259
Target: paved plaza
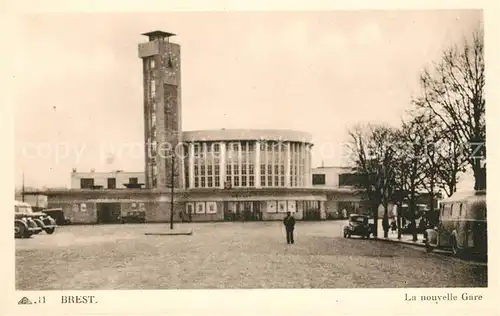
229,255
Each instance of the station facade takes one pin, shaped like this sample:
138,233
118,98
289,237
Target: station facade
207,175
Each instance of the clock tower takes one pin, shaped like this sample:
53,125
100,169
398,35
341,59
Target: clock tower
162,110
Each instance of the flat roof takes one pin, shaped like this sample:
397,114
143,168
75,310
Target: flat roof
333,167
158,33
247,135
186,192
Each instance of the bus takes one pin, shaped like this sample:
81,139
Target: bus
461,225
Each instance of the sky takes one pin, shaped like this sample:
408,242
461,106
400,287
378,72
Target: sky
79,79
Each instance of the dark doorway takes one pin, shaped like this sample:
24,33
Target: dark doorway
108,213
229,211
111,183
242,211
257,213
251,211
312,211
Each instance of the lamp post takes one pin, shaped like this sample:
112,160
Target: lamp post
172,190
22,189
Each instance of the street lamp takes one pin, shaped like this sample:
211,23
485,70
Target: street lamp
172,184
172,192
22,189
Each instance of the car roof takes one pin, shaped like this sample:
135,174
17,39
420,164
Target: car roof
465,196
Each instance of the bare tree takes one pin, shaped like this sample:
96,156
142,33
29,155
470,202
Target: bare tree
411,165
453,91
432,162
401,178
451,160
371,151
441,160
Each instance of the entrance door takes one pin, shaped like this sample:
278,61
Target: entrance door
247,211
230,211
108,213
312,211
257,213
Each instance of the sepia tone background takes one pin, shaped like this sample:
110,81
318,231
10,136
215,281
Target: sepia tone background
311,71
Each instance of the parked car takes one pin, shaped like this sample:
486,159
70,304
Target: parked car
133,217
24,224
58,215
358,225
45,222
137,214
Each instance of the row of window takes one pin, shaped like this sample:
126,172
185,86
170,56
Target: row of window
89,183
448,210
345,179
206,182
252,206
151,96
297,164
273,157
206,166
240,168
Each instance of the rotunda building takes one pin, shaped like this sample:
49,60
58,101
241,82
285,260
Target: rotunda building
247,159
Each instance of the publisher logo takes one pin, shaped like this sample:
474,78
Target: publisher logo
24,301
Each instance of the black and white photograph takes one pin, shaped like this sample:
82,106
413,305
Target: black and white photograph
240,150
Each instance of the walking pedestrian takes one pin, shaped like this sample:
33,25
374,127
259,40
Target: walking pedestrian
289,222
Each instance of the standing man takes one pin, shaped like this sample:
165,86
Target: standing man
289,222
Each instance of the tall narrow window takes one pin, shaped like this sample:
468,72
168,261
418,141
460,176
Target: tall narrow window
153,88
111,183
153,120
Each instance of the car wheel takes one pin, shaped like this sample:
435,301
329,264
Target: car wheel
428,247
27,234
50,231
19,230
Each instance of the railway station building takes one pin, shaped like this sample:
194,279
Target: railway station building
205,175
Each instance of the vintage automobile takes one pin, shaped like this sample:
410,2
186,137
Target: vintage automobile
58,215
24,224
137,214
461,226
358,225
45,222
